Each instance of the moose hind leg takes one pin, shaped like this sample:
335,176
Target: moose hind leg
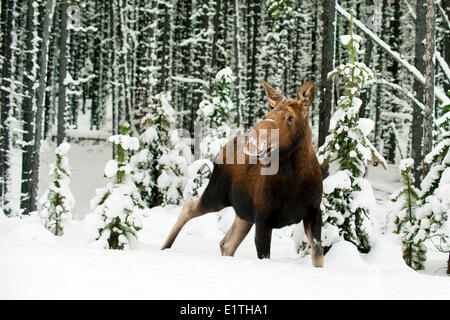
235,236
263,238
188,211
313,228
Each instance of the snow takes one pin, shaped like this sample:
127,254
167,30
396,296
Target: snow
111,168
194,269
338,180
32,232
63,149
34,264
365,125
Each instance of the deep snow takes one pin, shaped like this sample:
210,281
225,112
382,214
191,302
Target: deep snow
35,264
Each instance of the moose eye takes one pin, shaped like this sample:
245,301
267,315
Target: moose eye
290,119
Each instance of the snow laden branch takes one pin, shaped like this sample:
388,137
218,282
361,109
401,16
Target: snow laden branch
443,64
405,92
440,95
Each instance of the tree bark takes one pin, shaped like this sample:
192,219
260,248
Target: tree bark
61,133
6,21
417,121
39,104
28,112
367,61
214,50
326,85
237,49
429,78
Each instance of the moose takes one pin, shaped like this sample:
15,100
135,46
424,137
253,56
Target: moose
269,201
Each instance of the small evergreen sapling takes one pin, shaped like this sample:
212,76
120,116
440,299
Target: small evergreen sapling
213,116
119,206
154,142
348,197
58,201
174,164
434,203
414,250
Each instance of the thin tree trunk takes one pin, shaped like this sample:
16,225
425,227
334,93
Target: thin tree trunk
429,78
417,120
326,85
28,112
446,6
39,104
214,50
61,134
6,20
367,61
237,49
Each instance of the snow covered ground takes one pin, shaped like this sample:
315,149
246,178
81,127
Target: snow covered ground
35,264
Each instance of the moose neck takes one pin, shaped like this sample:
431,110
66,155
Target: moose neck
301,154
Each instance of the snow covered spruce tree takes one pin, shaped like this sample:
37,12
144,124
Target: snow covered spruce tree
119,205
174,164
154,140
58,200
348,197
405,219
434,203
212,116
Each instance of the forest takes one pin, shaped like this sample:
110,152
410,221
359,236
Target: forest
144,94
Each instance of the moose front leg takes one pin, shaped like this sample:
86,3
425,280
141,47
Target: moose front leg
313,229
263,238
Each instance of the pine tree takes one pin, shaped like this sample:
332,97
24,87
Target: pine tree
213,114
58,201
173,165
154,141
405,220
434,204
119,205
346,193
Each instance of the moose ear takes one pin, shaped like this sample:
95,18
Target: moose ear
273,95
305,94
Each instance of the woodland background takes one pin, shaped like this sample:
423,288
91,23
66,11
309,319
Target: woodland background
105,61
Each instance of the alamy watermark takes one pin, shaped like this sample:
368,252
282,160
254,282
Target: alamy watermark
255,147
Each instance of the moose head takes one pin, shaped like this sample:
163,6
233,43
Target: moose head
287,121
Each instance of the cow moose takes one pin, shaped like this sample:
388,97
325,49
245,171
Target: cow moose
292,194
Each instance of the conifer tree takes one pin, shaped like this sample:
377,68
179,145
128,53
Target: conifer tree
347,195
213,114
154,141
434,203
173,164
58,200
119,205
414,253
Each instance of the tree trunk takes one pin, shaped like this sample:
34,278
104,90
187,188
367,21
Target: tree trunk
367,61
446,6
61,134
39,103
417,121
328,53
28,112
429,78
214,50
237,49
6,21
